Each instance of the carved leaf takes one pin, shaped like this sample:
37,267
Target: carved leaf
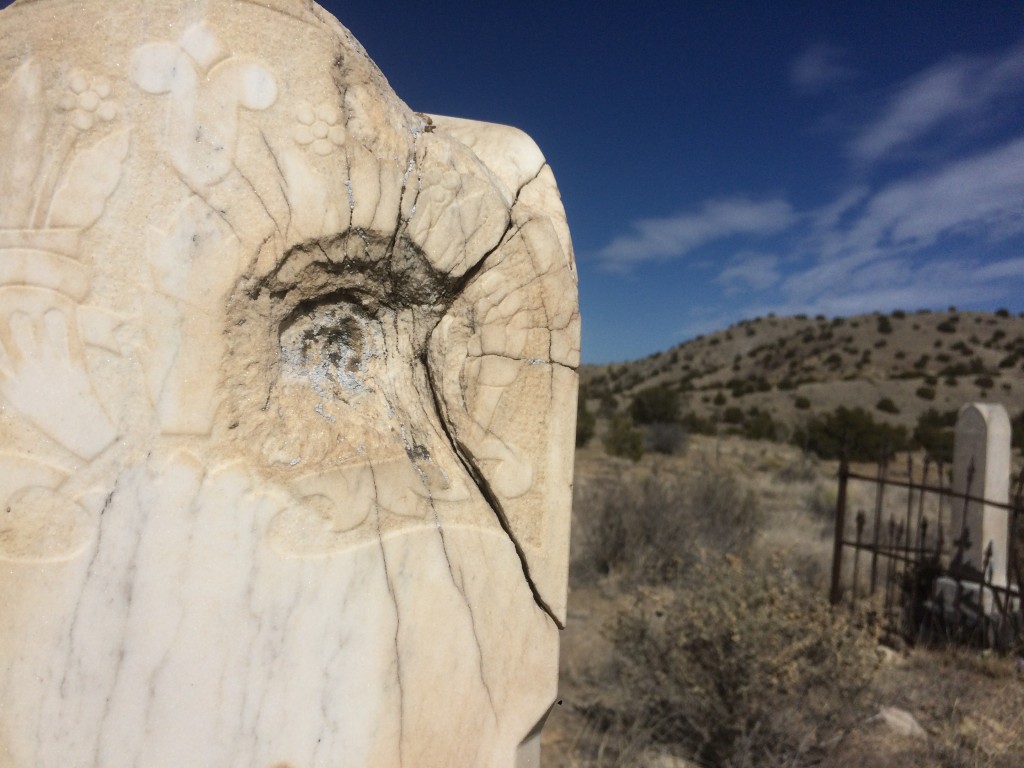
22,123
92,178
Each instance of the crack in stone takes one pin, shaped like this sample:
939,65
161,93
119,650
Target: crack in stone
527,360
469,609
223,214
398,617
527,183
263,204
401,223
480,480
89,571
511,230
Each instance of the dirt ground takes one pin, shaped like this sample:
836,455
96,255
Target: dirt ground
969,705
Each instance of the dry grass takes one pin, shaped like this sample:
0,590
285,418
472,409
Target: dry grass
698,631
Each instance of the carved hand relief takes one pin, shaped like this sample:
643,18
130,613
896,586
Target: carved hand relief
42,366
287,394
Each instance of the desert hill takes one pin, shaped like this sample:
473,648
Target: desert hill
896,366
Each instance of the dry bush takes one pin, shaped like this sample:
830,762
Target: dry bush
821,502
807,468
738,669
652,528
665,437
624,439
716,662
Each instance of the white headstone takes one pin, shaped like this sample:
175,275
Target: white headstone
981,454
287,402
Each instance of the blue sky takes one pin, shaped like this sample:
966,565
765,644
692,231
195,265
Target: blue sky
720,160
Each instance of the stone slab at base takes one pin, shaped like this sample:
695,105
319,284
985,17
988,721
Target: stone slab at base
961,601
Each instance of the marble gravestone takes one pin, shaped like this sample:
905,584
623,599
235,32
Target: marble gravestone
287,402
981,469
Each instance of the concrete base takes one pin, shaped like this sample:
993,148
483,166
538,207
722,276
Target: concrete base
961,601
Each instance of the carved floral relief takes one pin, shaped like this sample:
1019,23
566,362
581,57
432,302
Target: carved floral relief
67,159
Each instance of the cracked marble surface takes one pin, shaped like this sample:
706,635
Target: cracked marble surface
287,401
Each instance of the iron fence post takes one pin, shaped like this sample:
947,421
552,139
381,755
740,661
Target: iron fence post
835,594
883,468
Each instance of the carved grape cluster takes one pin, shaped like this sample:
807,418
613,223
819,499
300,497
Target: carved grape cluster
88,98
319,128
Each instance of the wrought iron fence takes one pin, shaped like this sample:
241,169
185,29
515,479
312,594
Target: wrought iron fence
901,562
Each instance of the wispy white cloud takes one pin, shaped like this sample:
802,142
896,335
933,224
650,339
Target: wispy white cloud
950,234
1012,269
676,236
896,284
834,213
892,248
961,88
819,68
981,195
750,271
905,286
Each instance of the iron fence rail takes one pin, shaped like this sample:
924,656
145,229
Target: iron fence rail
914,559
